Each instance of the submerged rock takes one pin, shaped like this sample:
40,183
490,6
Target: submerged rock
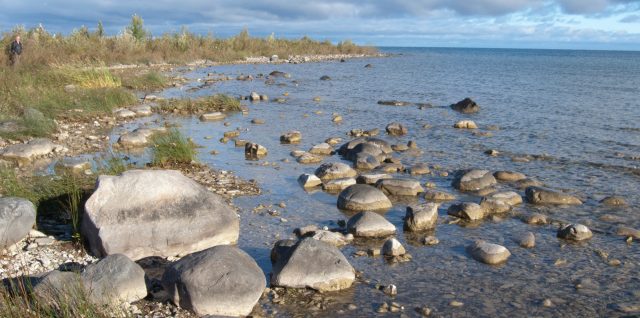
466,106
361,197
145,213
488,253
393,103
575,232
466,210
212,116
291,137
538,195
313,264
17,217
421,217
254,151
509,176
613,201
370,224
527,240
220,281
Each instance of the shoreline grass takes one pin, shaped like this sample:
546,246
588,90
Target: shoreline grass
171,149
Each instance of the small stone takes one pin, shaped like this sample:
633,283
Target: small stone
455,303
465,124
430,240
424,311
547,303
391,290
536,219
373,252
527,240
489,253
466,210
613,201
575,232
392,247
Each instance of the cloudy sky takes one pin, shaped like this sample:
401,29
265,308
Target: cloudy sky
582,24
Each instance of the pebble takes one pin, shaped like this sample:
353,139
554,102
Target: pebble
455,303
527,240
430,240
391,290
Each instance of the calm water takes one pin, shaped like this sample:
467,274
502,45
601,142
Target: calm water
577,108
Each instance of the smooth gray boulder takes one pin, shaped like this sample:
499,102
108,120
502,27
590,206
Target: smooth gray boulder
139,137
333,238
114,279
313,264
473,180
421,217
392,247
575,232
527,240
212,116
434,195
335,170
371,178
337,185
309,180
35,148
500,202
509,176
488,253
56,283
400,187
221,281
366,162
145,213
466,210
362,197
323,149
17,217
541,196
370,224
350,147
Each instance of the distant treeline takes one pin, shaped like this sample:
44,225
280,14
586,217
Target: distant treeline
136,45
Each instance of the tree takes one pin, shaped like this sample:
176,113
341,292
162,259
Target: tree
100,30
136,28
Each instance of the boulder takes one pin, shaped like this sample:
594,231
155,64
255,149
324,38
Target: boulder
323,149
400,187
500,202
139,137
212,116
371,178
396,129
525,183
35,148
333,238
333,140
370,224
465,124
17,217
291,137
335,170
538,195
575,232
473,180
488,253
336,185
307,158
309,180
613,201
466,210
400,148
114,279
254,97
421,217
142,110
527,240
628,232
125,114
347,148
391,167
433,195
254,151
219,281
392,247
362,197
509,176
466,106
366,162
145,213
55,285
420,169
313,264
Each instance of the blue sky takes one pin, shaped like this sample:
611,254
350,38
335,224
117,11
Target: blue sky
563,24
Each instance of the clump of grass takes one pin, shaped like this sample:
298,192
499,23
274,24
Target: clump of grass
215,103
147,81
112,165
91,78
172,149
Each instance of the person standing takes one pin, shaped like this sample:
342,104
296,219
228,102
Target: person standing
14,51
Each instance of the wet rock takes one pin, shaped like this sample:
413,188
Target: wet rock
333,238
231,134
465,124
335,170
392,247
240,142
500,202
254,151
313,264
323,149
393,103
368,66
527,240
613,201
221,281
333,141
114,279
336,185
628,232
430,240
421,217
347,148
538,195
509,176
466,210
400,187
400,148
396,129
155,213
366,162
291,137
525,183
17,217
257,121
264,97
420,169
35,148
254,97
628,308
74,165
361,197
575,232
212,116
370,224
536,219
279,74
125,114
466,106
371,178
473,180
390,290
325,78
308,158
391,167
488,253
138,138
142,110
434,195
309,180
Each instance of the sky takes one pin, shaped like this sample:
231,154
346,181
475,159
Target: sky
555,24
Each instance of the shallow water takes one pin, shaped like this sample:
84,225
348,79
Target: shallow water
578,108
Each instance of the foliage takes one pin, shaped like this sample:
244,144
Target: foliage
215,103
172,148
136,28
